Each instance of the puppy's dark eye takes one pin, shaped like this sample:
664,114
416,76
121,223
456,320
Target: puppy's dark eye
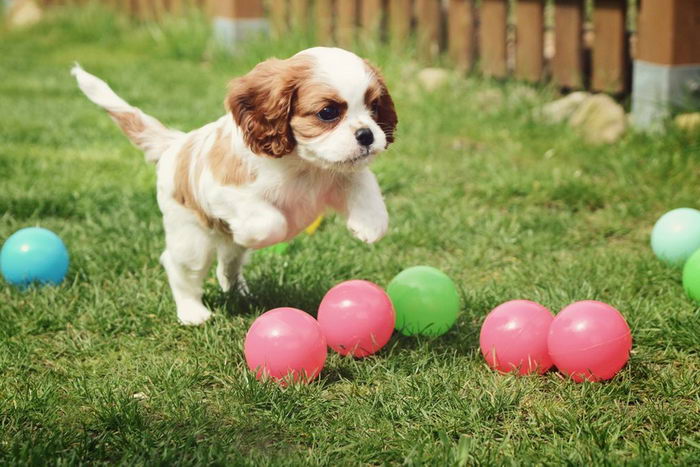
329,113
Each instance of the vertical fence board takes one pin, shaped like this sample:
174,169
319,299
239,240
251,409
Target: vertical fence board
686,32
347,22
529,46
460,33
160,7
141,7
428,28
399,21
235,8
371,18
208,6
175,7
278,17
225,8
567,63
610,60
324,21
124,6
299,14
492,37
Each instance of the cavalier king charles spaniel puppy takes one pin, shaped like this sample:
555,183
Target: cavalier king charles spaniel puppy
297,139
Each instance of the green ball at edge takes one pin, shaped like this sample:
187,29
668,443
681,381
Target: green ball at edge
691,276
425,300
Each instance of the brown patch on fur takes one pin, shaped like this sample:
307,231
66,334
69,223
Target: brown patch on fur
227,167
131,124
261,103
184,194
311,99
379,100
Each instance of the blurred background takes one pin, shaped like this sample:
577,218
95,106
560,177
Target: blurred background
538,142
644,53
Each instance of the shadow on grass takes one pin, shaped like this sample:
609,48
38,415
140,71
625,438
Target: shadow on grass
265,294
335,374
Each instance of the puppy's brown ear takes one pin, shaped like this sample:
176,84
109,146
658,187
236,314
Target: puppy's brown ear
386,116
261,103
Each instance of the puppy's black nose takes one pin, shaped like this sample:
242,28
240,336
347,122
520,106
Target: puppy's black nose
364,136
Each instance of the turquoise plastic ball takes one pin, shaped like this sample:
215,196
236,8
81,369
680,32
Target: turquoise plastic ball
33,255
676,235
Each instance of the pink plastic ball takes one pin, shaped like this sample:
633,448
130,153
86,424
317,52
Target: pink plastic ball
285,343
514,337
589,340
357,318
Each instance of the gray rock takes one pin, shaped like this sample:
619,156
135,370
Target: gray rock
562,109
432,79
689,122
23,13
600,119
488,100
522,94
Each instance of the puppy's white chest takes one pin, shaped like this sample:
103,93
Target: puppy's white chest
301,197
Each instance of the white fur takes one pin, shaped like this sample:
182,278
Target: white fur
287,195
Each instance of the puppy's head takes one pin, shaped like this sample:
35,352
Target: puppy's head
327,104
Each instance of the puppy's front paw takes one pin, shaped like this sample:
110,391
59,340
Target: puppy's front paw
369,228
192,313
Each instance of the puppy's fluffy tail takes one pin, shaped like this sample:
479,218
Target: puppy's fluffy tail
144,131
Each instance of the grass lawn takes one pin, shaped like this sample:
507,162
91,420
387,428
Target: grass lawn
99,371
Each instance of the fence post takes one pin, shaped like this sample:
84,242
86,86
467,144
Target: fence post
278,17
371,18
667,65
529,40
209,6
237,20
567,63
159,8
399,22
428,28
143,10
299,14
347,22
174,7
492,38
460,33
324,21
610,46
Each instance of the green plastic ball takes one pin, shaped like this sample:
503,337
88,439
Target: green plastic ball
426,301
691,276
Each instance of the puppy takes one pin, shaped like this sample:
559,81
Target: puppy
296,140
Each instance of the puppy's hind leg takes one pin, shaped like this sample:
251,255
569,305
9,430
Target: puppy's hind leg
230,260
186,259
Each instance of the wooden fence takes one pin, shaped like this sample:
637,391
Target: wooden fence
573,43
532,40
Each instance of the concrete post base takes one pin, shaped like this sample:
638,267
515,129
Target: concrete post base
658,90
